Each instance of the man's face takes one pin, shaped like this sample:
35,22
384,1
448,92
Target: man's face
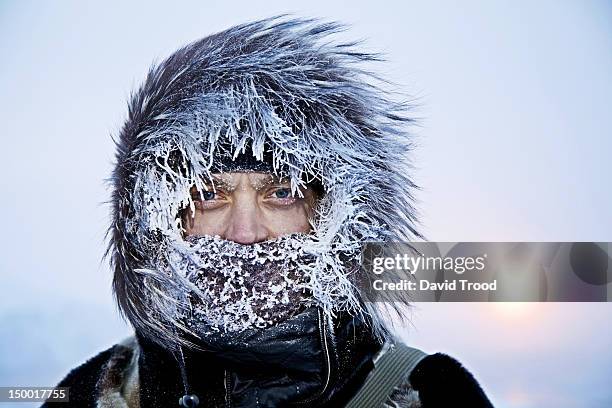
248,208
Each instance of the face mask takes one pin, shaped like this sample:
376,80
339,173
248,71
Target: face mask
238,287
205,286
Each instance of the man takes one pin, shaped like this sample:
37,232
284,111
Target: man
253,165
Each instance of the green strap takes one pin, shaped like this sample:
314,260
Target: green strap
390,369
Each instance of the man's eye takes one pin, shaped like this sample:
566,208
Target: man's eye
208,195
282,193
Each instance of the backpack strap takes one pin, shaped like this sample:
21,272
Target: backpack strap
390,369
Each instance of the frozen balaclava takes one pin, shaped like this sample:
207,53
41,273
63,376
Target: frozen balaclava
244,286
278,96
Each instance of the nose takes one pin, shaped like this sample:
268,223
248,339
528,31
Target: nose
245,226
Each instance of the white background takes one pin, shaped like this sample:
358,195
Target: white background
514,144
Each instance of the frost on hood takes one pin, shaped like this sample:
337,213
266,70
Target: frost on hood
280,87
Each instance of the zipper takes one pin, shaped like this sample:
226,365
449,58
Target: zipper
323,334
228,388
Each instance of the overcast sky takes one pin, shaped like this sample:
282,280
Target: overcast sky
514,144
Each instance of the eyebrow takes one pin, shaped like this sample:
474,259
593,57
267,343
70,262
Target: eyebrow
219,182
259,184
214,182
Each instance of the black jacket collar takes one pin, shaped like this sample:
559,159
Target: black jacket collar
306,360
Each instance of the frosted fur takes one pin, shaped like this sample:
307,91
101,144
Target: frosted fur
280,84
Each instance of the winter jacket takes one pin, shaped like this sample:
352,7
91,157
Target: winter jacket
139,373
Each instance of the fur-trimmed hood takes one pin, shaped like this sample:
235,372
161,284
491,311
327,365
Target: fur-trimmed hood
281,87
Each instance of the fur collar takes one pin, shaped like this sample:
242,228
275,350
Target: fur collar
118,385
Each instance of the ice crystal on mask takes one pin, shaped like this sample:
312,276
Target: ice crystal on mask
206,284
243,286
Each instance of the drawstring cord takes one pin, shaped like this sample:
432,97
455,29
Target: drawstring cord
188,400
